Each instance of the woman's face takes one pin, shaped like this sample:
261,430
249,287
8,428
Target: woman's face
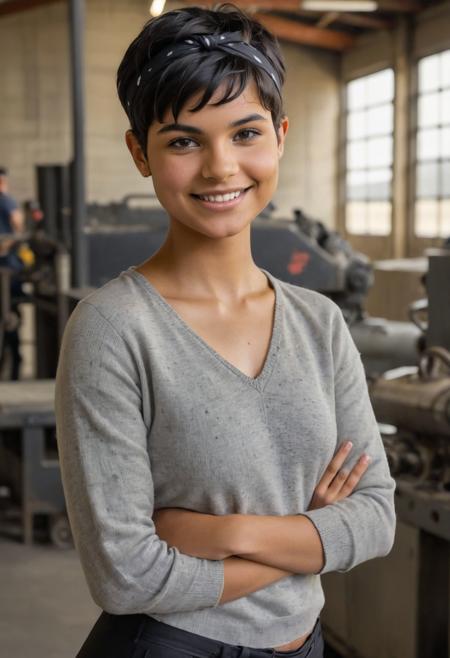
214,170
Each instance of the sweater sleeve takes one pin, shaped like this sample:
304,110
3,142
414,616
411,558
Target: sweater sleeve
107,479
361,526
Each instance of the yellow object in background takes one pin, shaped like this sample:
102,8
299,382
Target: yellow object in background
26,255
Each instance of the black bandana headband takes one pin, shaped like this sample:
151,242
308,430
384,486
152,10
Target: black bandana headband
228,42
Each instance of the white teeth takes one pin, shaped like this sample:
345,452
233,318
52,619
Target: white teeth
220,198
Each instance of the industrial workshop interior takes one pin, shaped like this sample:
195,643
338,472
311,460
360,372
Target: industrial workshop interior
351,244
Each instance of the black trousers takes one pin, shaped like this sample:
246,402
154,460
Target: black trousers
141,636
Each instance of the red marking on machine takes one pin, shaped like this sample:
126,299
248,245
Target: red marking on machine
299,261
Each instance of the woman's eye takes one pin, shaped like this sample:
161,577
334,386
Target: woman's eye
182,143
247,134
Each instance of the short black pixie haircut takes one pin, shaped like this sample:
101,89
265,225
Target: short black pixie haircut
200,71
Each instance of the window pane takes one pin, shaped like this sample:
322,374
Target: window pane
445,107
445,141
429,73
380,120
356,93
379,184
356,185
356,125
357,155
445,179
428,144
426,224
445,69
380,87
379,218
379,151
427,182
429,110
445,218
355,220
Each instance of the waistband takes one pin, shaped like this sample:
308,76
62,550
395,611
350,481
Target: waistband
152,631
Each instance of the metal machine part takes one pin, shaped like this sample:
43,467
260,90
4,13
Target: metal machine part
438,288
418,400
412,584
386,344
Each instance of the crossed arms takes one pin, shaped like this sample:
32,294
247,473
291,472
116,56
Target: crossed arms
259,550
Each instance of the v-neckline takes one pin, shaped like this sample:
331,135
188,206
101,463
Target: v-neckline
274,344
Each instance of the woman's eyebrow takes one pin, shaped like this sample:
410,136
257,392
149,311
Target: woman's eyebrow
182,127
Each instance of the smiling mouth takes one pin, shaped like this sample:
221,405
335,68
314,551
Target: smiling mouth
221,198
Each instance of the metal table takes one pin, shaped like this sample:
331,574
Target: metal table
27,425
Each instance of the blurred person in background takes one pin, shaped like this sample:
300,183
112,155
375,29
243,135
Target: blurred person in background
11,222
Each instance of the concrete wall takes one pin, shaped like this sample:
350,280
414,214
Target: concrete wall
34,108
309,167
111,174
35,125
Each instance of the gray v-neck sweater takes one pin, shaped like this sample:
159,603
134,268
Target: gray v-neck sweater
150,416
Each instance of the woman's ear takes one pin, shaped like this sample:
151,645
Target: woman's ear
137,153
281,135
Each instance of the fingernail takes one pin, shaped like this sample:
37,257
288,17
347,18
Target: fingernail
366,459
348,445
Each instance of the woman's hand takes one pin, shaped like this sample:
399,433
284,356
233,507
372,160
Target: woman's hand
337,483
193,533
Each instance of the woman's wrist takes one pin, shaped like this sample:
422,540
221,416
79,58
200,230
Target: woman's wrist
289,542
244,532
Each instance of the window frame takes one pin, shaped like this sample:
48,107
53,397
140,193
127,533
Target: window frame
416,241
343,164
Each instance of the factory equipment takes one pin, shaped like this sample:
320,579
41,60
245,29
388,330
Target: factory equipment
412,584
29,470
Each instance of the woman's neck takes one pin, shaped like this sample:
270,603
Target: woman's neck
204,267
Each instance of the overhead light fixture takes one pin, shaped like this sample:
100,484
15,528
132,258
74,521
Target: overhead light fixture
157,7
339,5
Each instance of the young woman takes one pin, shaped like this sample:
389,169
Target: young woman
204,406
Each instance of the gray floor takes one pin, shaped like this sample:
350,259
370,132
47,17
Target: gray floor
45,607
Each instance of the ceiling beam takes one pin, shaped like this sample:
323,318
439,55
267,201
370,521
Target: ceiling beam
327,19
306,35
400,5
366,21
282,5
16,6
296,5
292,30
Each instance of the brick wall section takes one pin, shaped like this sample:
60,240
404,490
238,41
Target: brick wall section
308,170
34,108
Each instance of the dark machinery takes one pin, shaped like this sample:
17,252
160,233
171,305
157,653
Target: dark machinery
301,251
412,584
416,400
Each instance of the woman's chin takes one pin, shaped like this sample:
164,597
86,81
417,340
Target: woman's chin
216,230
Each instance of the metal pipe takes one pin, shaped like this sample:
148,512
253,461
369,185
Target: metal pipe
79,243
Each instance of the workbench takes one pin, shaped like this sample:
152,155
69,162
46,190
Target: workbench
29,454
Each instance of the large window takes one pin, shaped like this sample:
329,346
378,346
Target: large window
369,154
432,203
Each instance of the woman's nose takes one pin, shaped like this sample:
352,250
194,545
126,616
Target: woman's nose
219,163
